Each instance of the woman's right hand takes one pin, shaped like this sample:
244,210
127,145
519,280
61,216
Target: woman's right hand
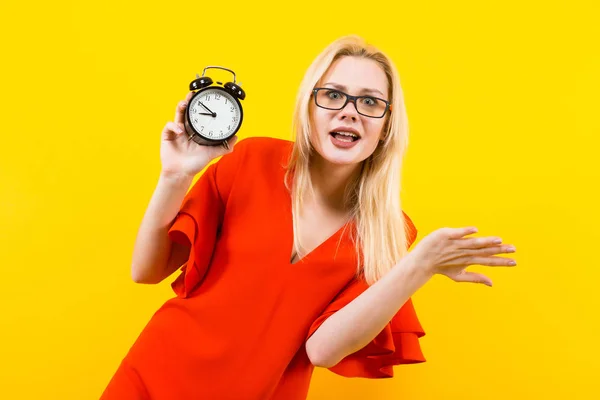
447,252
180,156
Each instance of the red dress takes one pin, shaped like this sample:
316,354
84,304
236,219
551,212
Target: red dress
243,312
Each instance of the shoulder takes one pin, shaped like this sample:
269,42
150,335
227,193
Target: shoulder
260,146
255,148
251,156
257,152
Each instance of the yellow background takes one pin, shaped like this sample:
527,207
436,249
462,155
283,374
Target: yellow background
502,98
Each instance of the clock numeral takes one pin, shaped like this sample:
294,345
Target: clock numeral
210,133
202,128
195,120
194,110
217,96
225,100
228,127
231,109
221,133
207,98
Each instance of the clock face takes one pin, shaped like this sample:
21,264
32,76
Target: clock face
215,114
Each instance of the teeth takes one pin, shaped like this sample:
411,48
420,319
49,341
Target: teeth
347,134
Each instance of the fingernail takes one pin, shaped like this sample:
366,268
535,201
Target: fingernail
497,241
510,248
513,263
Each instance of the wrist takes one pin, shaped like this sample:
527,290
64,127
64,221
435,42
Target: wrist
411,265
175,179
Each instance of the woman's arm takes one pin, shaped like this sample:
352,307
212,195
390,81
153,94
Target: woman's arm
155,256
360,321
445,251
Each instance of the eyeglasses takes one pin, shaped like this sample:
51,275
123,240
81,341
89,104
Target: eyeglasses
333,99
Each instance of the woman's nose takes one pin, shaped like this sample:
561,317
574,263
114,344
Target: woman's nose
349,111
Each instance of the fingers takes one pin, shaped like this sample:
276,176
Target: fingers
457,233
480,249
473,277
219,150
189,96
487,251
479,242
171,131
232,141
492,261
180,110
228,148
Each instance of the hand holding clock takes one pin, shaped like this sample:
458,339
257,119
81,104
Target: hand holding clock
180,156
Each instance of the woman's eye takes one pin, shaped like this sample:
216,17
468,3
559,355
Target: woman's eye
334,95
369,101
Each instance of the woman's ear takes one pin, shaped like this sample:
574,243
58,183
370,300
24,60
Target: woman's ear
382,135
384,131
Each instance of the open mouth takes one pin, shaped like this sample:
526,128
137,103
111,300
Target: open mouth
345,136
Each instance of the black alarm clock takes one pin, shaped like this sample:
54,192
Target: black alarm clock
214,113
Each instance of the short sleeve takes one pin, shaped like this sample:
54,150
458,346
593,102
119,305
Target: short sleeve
398,343
200,217
410,229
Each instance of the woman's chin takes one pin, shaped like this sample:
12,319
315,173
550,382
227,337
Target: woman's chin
338,156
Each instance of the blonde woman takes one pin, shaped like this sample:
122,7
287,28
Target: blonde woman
294,253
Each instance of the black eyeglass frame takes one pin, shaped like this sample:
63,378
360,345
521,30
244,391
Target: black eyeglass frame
353,99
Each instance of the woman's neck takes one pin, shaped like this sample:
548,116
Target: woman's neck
330,181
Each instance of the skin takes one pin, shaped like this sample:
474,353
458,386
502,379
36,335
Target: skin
331,167
444,251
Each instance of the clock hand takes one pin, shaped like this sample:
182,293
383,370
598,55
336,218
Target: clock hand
213,114
208,109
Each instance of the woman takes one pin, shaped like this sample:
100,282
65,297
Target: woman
294,254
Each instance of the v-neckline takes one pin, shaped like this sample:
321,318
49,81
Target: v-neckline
290,236
313,252
289,231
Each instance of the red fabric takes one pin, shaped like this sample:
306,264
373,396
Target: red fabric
242,312
397,344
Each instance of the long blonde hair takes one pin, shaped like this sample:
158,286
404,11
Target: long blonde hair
374,197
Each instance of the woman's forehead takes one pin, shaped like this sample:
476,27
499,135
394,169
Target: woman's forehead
357,75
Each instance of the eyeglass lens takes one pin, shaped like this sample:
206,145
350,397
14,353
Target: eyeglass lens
335,100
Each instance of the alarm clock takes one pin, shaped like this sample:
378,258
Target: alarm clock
214,113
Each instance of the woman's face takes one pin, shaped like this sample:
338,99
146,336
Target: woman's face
355,76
